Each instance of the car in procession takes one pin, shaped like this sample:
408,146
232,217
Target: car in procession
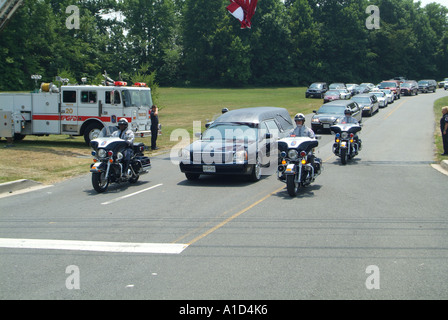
426,86
368,102
239,142
316,90
329,113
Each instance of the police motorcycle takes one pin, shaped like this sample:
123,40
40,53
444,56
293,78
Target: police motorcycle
298,166
347,144
109,166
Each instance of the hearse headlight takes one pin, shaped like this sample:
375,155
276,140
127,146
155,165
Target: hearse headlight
184,154
240,156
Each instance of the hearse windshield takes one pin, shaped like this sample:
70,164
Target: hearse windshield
222,132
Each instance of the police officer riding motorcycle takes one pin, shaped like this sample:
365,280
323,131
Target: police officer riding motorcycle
347,143
116,157
298,165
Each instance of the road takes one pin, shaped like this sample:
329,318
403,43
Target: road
373,229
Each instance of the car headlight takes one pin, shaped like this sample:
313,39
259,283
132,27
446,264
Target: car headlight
315,120
293,154
240,156
184,155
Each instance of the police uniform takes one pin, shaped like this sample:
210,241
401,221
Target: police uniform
154,129
128,136
348,119
443,123
302,131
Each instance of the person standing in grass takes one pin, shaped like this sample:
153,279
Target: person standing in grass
444,129
154,126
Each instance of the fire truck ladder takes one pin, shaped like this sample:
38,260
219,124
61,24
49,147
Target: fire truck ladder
7,10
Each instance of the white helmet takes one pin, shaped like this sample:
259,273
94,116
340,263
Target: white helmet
123,121
299,117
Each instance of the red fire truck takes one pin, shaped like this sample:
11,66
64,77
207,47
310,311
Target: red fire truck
78,110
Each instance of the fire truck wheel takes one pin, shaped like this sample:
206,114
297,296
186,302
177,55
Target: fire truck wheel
92,132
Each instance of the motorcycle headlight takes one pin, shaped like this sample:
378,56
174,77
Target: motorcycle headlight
293,154
344,135
102,153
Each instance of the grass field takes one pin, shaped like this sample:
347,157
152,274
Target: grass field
54,158
438,135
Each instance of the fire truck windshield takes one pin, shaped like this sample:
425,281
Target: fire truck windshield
137,98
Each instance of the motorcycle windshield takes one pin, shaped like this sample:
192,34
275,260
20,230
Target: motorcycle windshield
107,132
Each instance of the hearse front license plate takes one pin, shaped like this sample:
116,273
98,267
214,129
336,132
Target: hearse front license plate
209,169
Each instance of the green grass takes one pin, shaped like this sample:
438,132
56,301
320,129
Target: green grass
437,134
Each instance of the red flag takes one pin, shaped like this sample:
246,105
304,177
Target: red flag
243,10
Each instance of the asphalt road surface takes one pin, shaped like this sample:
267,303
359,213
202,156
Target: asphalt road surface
373,229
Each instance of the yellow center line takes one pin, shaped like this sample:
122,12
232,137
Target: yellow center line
390,113
236,215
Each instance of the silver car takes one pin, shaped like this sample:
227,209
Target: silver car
368,103
329,113
382,98
389,94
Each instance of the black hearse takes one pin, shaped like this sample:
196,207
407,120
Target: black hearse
238,142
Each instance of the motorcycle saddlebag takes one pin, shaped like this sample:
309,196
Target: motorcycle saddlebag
139,148
145,162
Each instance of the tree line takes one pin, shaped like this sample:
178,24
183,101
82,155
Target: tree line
198,43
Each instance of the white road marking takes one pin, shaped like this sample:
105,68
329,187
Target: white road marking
23,191
131,195
98,246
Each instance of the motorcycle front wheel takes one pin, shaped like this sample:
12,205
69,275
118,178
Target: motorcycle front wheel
291,185
99,182
344,156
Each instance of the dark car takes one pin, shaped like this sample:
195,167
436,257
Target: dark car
368,103
393,85
238,142
427,86
409,88
329,113
332,95
316,90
